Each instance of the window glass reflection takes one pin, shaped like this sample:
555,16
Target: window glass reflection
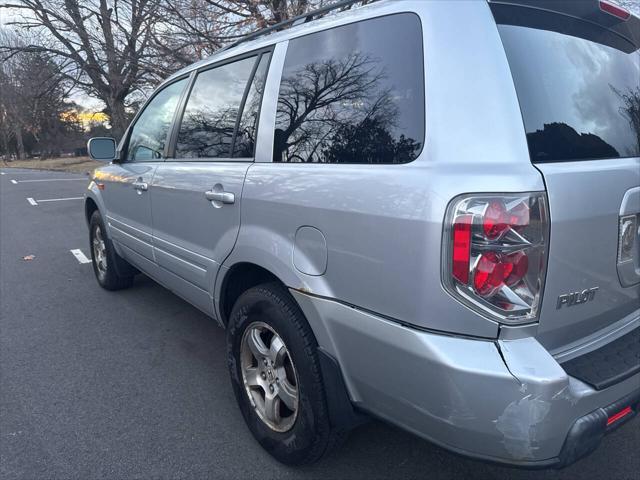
212,109
579,99
149,134
353,94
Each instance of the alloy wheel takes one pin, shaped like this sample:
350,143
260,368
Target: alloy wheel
269,377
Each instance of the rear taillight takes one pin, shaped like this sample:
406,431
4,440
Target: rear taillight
495,253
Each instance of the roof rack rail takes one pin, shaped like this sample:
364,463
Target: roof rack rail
304,18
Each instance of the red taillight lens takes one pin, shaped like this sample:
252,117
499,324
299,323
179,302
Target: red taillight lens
615,10
518,266
495,220
489,274
495,253
493,271
519,216
462,247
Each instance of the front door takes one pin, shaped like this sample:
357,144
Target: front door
126,183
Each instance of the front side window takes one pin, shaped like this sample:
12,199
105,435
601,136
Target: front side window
212,110
151,130
353,94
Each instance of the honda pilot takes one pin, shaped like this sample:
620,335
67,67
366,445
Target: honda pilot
423,212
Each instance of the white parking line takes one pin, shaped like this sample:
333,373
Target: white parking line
81,257
2,173
14,182
51,180
59,199
36,202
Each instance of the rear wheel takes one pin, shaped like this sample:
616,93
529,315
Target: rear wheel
112,272
275,372
269,377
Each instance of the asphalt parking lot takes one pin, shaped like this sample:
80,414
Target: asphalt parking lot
133,384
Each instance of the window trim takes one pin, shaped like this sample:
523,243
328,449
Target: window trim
177,116
424,88
177,122
244,103
125,147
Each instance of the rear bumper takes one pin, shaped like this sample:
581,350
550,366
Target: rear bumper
501,401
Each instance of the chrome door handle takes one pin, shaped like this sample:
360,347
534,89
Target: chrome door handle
140,185
223,197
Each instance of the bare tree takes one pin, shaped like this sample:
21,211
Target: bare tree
104,46
194,29
33,107
113,49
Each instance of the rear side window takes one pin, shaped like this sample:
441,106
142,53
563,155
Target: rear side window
353,94
149,133
210,116
580,99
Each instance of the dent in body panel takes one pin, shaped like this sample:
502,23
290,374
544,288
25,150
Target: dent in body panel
518,425
508,403
525,421
371,351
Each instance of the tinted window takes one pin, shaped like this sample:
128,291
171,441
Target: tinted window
247,128
212,110
353,94
579,99
150,132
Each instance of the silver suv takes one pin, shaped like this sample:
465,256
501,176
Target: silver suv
427,212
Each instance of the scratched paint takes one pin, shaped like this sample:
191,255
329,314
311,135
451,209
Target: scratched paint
518,425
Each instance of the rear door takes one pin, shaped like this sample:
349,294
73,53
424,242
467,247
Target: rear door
126,183
196,195
577,76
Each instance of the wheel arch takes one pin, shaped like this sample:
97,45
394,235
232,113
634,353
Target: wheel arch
94,202
270,252
237,279
90,206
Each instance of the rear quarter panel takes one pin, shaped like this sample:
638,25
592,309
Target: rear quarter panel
383,223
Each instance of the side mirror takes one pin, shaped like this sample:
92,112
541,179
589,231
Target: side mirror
102,149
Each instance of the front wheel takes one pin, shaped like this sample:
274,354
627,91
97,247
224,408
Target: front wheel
275,372
108,266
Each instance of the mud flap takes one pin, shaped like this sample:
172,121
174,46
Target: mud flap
342,414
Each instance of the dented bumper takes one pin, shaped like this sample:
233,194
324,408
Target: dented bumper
507,401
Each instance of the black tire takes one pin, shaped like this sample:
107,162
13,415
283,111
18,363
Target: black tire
311,435
114,273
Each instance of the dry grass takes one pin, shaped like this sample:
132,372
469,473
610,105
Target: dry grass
67,164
